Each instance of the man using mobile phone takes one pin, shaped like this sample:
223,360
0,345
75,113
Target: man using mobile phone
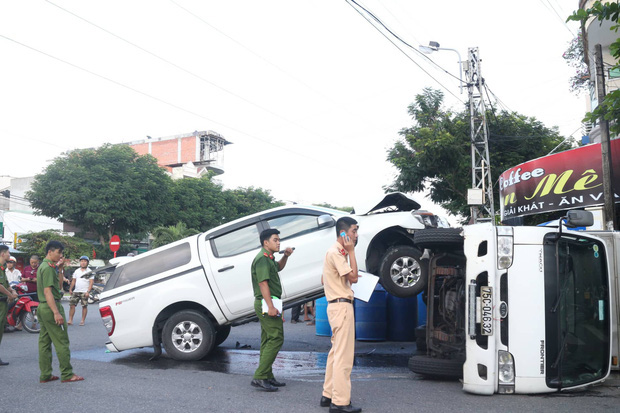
266,284
339,272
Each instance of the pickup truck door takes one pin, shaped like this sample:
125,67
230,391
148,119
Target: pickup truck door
302,274
229,259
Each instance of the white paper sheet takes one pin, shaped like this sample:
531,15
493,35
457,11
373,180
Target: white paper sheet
365,285
277,303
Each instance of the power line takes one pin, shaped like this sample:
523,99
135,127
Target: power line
324,138
167,103
551,8
402,51
375,18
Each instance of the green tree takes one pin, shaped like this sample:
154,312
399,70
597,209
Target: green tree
166,235
609,108
327,205
435,152
575,58
34,244
106,190
246,201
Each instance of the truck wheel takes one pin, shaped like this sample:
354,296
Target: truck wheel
222,334
30,322
420,338
436,368
188,335
402,273
438,238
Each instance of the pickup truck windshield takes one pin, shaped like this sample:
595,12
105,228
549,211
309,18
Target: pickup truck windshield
577,310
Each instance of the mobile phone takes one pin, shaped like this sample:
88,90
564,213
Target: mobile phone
343,234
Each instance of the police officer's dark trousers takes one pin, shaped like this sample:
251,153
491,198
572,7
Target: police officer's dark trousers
4,308
271,340
51,333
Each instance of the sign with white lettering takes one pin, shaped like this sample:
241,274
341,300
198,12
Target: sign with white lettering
566,180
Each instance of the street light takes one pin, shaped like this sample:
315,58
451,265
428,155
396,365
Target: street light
433,47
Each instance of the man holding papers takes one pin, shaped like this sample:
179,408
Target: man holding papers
339,272
268,306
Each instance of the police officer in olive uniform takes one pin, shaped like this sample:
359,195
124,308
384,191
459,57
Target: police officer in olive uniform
266,284
52,317
6,293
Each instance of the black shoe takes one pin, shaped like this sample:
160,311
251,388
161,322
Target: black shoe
4,363
263,384
347,409
325,401
276,383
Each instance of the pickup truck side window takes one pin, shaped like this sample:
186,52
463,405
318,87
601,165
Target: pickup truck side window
294,225
236,242
140,268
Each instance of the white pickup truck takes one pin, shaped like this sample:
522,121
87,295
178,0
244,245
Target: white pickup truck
186,295
522,309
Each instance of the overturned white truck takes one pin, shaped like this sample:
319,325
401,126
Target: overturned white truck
520,309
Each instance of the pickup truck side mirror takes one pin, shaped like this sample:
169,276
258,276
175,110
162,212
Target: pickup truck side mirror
325,221
579,219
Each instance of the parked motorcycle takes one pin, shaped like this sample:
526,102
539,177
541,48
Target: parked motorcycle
24,310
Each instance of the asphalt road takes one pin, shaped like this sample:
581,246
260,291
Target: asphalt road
129,382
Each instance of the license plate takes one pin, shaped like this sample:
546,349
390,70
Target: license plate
486,311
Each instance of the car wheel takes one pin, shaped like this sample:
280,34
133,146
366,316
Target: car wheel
188,335
30,322
438,238
402,272
222,334
435,367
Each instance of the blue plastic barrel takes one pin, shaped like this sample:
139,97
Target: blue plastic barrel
421,311
371,317
320,318
402,318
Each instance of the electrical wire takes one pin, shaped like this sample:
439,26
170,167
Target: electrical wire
553,9
197,76
173,105
375,18
402,51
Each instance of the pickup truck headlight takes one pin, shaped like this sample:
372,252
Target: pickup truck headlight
504,247
506,372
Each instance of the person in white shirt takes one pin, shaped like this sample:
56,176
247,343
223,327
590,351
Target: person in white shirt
13,275
80,288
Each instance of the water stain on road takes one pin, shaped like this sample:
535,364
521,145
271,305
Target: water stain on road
303,366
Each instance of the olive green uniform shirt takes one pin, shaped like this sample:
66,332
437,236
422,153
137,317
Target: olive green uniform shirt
47,277
265,268
3,280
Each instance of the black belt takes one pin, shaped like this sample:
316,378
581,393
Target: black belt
341,300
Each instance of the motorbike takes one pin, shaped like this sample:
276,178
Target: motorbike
23,310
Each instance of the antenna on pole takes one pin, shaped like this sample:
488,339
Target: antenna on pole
480,196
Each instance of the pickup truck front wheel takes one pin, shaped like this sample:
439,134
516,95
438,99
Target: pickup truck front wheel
402,272
436,367
188,335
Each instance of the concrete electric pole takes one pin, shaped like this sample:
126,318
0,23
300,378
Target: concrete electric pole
481,193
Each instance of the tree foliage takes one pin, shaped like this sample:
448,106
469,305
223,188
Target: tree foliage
575,58
435,153
166,235
106,190
34,244
609,108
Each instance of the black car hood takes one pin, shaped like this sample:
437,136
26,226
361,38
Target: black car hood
395,201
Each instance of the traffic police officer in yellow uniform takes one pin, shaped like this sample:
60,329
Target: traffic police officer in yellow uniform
52,317
266,284
6,293
338,275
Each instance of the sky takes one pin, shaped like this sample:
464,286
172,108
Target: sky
311,95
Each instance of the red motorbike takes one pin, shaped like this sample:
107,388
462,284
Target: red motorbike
24,310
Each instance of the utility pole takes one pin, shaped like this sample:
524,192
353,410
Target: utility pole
608,187
481,184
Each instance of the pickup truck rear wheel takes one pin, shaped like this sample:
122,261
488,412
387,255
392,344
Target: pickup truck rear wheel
188,335
222,334
402,272
435,367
